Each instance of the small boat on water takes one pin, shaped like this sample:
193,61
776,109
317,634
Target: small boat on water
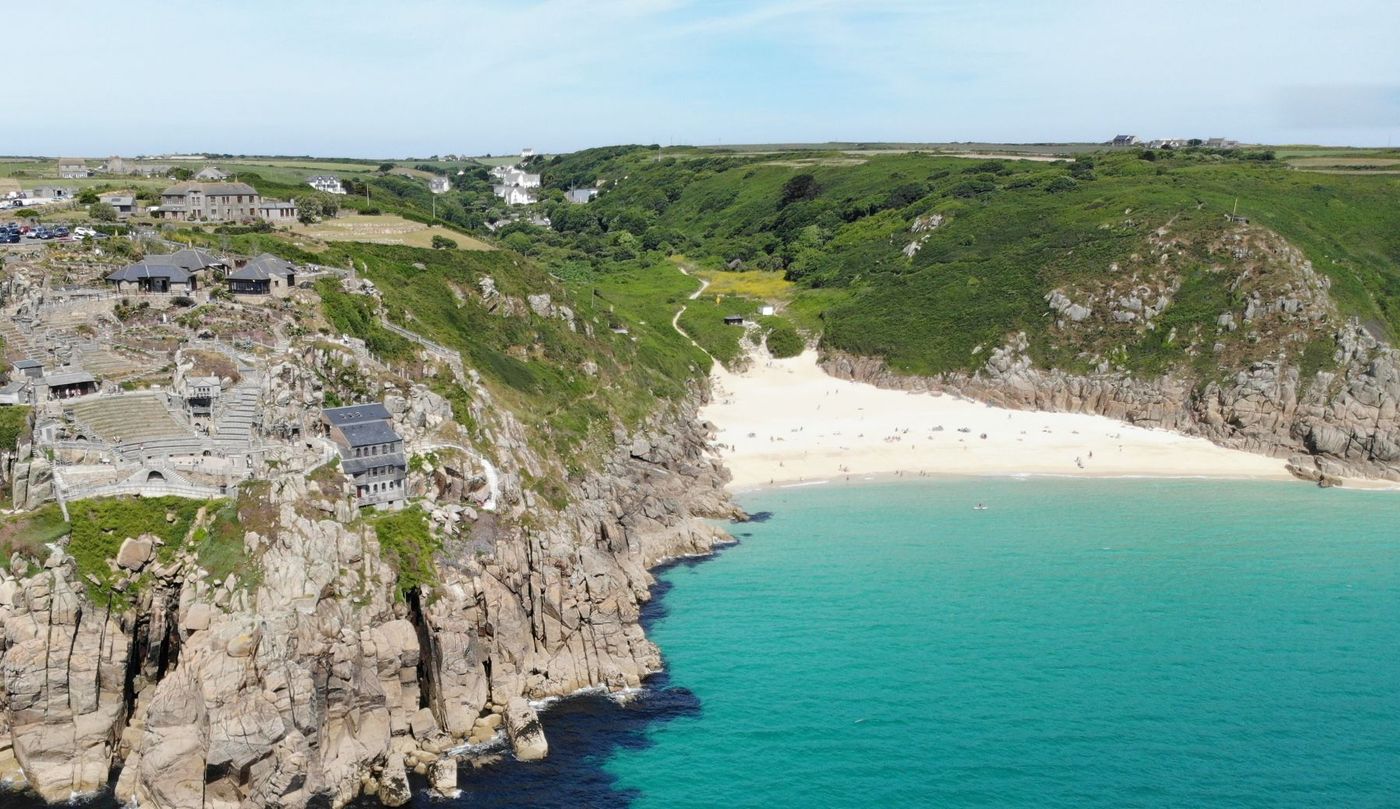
980,507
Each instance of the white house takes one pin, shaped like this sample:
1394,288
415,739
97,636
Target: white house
579,196
439,185
326,183
528,151
515,176
514,194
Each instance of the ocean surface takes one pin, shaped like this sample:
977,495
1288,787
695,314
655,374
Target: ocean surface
1080,643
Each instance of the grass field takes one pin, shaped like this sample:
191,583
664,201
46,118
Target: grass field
762,284
384,229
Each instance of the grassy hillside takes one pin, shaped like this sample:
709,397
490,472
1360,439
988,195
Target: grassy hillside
1009,232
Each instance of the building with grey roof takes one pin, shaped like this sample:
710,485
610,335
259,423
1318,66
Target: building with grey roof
371,453
265,275
69,384
124,203
15,392
190,259
32,368
145,276
220,202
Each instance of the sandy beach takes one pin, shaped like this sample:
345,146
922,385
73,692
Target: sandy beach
786,422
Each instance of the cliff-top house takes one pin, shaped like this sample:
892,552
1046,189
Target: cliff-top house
371,453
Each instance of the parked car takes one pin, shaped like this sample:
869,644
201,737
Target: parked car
84,231
9,237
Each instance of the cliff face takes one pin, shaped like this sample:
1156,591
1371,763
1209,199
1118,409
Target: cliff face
1273,315
1340,423
318,677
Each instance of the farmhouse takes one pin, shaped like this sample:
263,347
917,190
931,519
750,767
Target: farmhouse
72,168
264,275
209,202
371,453
211,174
147,277
220,202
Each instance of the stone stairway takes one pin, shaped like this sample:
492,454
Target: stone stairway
17,346
234,429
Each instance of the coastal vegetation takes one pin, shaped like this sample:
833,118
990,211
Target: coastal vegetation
922,258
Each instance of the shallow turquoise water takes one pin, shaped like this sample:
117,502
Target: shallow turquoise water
1081,643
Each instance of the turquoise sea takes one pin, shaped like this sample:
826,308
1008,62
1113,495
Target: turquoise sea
1081,643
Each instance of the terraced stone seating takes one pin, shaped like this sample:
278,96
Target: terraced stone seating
105,363
130,418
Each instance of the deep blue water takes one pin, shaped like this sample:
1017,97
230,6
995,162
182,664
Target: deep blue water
1102,643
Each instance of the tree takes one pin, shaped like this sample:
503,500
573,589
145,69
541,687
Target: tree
29,213
443,243
102,212
800,188
385,168
87,196
181,173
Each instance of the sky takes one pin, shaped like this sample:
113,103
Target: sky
354,78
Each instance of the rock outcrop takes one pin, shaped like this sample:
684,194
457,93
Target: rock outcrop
317,677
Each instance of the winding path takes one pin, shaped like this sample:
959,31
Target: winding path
676,321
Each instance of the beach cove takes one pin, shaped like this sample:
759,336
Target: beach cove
785,421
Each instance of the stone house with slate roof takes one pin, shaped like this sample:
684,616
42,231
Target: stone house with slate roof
371,453
220,202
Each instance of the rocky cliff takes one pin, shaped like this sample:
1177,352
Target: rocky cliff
312,673
1275,369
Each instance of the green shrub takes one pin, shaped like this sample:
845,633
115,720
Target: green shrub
408,546
782,338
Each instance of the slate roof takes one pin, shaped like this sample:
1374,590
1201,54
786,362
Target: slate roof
351,414
69,378
263,268
369,432
354,466
189,259
144,270
23,364
209,189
